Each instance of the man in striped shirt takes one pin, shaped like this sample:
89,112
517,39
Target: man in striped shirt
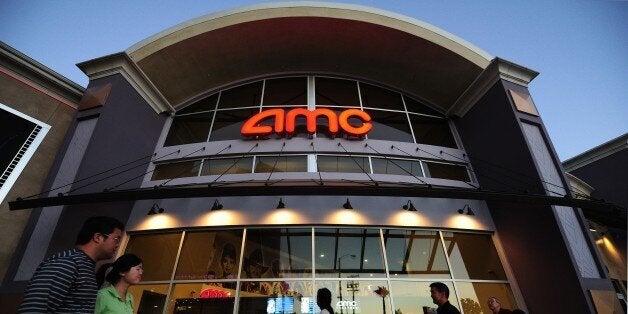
66,281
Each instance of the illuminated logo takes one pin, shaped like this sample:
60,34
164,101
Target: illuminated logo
347,305
286,122
210,293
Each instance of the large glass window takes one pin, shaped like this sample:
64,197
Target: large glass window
361,296
377,97
205,104
225,112
390,126
432,131
414,297
177,170
342,164
473,256
227,123
283,92
248,95
265,164
281,269
217,166
416,254
349,252
158,264
447,171
332,92
278,253
210,255
188,129
397,166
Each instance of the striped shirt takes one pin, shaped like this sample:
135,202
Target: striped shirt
64,283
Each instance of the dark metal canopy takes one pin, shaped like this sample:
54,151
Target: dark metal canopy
606,213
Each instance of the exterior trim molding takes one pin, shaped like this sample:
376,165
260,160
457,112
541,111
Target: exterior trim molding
594,154
264,11
34,73
579,184
498,69
120,63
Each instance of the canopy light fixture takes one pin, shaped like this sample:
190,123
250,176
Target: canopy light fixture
216,206
468,208
281,205
155,210
409,206
347,205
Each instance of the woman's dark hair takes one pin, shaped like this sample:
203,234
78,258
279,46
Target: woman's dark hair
323,300
121,265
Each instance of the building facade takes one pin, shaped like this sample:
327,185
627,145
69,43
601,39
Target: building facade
598,174
37,106
260,154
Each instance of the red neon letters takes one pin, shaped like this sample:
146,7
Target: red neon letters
286,122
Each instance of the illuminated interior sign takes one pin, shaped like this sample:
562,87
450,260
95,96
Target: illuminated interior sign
210,293
285,122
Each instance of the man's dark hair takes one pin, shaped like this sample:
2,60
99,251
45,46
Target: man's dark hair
440,287
93,225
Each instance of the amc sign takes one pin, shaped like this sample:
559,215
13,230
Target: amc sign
286,122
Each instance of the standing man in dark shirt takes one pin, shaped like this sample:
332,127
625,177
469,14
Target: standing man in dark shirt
440,296
66,281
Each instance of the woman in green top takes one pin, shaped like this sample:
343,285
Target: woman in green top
115,298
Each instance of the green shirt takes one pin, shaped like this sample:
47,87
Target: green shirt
108,301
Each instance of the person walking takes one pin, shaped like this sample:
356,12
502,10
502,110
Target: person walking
66,281
440,296
323,300
115,299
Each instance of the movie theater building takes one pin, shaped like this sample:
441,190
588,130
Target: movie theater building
259,154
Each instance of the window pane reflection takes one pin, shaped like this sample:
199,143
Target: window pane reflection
228,123
278,253
473,256
376,97
189,129
158,264
342,164
349,252
397,166
248,95
275,296
447,171
336,92
205,104
208,297
416,254
412,297
227,166
390,126
176,170
474,296
149,298
286,92
417,107
265,164
347,295
210,255
432,131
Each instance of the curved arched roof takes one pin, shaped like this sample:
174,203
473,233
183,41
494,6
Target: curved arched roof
216,50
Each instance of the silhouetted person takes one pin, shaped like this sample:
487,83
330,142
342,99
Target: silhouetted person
440,296
323,300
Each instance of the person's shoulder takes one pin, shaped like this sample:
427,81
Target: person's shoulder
67,258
